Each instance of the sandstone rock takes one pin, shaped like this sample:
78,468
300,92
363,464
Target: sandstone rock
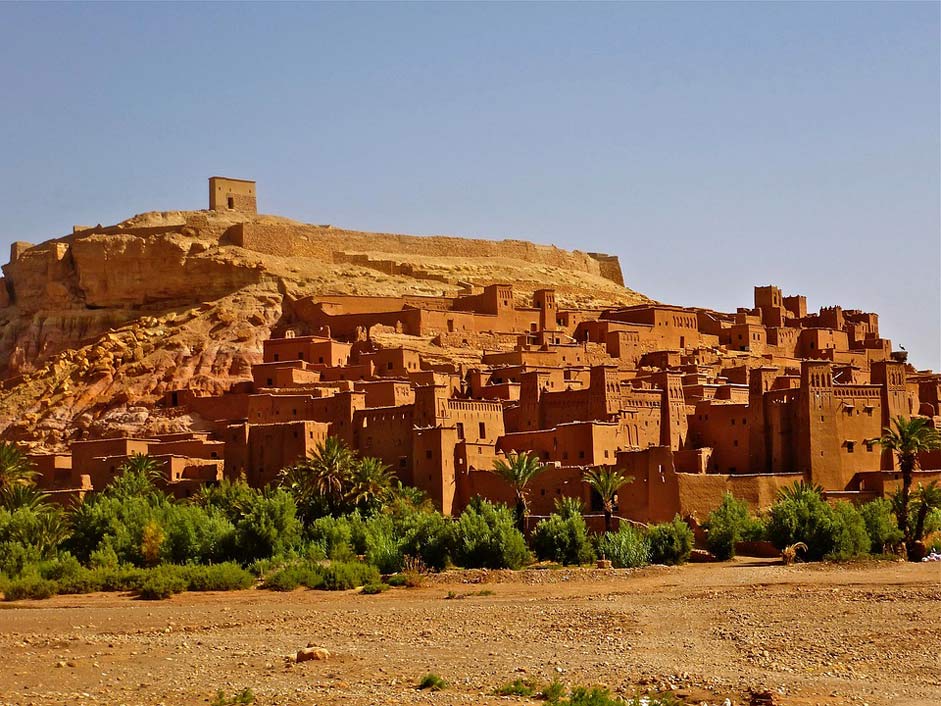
312,653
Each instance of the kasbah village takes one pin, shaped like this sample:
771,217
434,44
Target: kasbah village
489,381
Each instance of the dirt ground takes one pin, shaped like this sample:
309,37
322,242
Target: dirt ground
812,634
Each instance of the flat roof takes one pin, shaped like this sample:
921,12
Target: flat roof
247,181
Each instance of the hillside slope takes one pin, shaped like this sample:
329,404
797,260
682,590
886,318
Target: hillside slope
97,325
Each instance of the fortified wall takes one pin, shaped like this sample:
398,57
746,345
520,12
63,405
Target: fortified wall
337,245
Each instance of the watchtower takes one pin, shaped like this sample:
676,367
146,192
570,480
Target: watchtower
232,195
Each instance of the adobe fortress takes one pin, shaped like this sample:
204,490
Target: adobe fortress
230,344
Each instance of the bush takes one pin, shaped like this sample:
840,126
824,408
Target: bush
32,587
563,539
371,589
881,525
290,577
802,515
397,580
334,535
342,576
162,582
727,525
245,697
627,548
194,534
670,542
517,687
485,536
553,691
850,536
426,535
269,527
432,682
62,567
217,577
383,548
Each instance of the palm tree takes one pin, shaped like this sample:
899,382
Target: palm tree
927,499
20,496
518,470
326,475
15,468
909,438
606,482
143,464
372,481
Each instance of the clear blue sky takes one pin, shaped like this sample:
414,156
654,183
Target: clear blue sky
711,146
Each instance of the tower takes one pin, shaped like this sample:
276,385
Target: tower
232,195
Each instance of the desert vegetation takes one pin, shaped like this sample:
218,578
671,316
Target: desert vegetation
337,521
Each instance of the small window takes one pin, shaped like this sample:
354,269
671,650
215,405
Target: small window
483,430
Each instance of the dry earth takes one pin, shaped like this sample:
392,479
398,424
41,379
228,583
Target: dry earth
863,634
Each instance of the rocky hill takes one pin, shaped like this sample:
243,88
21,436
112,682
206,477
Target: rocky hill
97,325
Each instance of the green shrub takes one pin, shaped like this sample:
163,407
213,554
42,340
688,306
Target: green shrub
334,535
850,536
670,542
269,527
594,696
104,557
194,534
485,536
228,576
627,548
727,524
802,515
371,589
122,578
553,691
162,582
290,577
881,525
62,567
32,587
383,548
517,687
397,580
425,535
562,539
432,682
342,576
245,697
755,530
85,581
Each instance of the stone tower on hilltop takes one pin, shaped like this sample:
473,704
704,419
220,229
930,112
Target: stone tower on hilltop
232,195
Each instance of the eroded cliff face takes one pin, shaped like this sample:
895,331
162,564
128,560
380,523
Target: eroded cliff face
97,326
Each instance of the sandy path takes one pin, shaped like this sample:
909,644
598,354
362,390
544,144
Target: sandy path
813,634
